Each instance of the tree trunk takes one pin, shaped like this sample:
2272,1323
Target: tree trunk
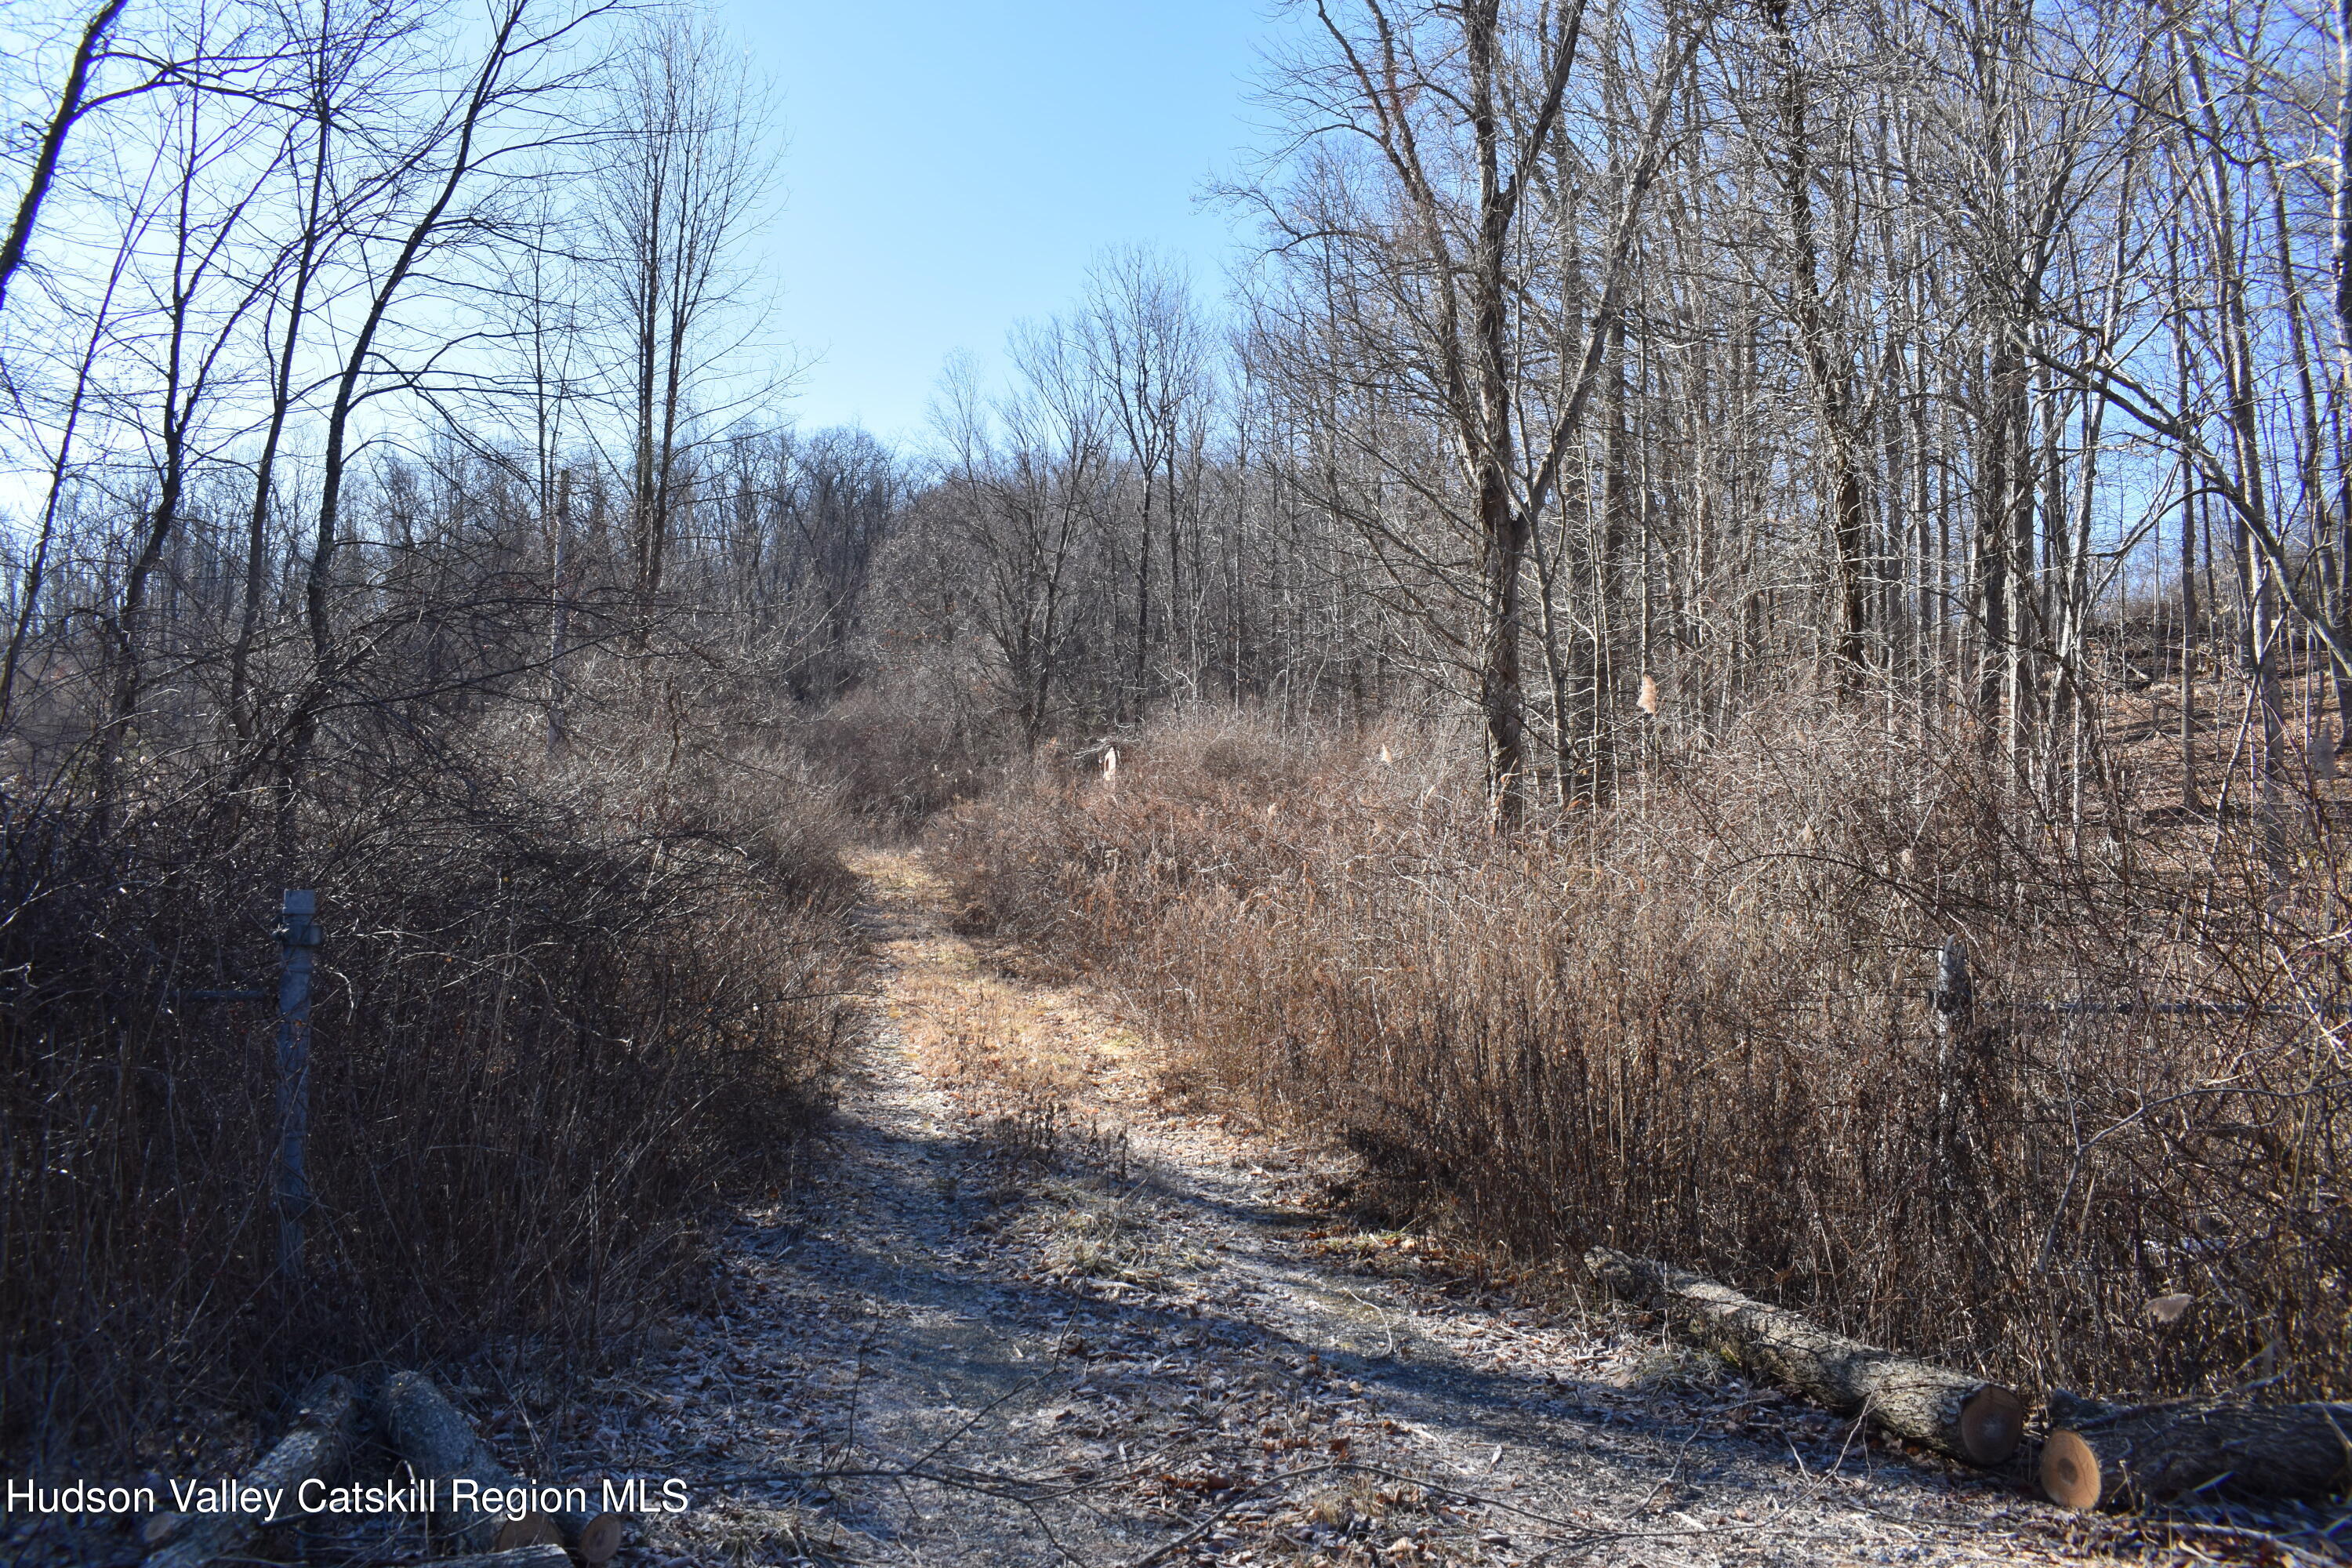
1951,1412
2101,1454
2341,256
1502,524
1995,521
243,719
1849,527
71,104
2190,797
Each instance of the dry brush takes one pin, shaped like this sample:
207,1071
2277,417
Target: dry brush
1695,1027
563,1005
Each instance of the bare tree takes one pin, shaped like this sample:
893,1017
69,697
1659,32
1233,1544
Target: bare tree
74,100
1147,352
1429,133
686,184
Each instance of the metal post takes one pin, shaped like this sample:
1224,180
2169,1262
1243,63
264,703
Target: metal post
1955,994
298,934
1954,1001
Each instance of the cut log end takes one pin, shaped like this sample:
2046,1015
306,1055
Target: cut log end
2070,1471
2102,1455
597,1541
1993,1423
530,1530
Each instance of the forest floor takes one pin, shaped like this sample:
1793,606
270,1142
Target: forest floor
1030,1308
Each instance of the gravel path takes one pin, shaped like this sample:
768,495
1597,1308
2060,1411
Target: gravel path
1026,1314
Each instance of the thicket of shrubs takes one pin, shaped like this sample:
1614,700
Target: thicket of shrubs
563,1003
1695,1024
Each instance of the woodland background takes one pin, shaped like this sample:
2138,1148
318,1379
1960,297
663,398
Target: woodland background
1682,510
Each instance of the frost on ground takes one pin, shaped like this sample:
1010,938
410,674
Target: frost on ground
1027,1314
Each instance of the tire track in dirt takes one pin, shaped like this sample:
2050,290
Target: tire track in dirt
1024,1313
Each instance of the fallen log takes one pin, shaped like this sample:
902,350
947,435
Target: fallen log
1954,1413
593,1537
313,1449
2104,1456
439,1445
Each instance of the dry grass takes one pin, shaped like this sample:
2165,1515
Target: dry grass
971,1027
562,1005
1018,1052
1693,1025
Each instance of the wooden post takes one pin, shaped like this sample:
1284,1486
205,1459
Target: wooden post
297,935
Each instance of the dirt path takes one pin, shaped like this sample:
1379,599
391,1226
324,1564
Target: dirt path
1025,1315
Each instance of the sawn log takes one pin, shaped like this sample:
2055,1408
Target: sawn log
439,1444
593,1537
2103,1456
1953,1413
314,1448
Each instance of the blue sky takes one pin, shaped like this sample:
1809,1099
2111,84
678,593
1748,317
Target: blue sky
952,167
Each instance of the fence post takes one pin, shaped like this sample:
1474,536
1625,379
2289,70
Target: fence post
297,935
1953,1000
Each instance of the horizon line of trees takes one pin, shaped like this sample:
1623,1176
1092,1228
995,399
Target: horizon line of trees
1600,370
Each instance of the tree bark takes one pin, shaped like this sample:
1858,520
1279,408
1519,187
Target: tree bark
314,1449
2340,265
1502,525
2100,1456
244,722
440,1445
1953,1413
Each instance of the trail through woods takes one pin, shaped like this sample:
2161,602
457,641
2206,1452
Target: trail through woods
1023,1313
